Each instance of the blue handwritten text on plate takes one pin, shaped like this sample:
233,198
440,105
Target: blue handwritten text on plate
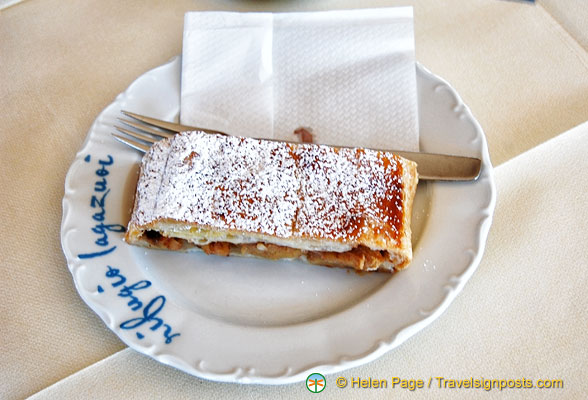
149,312
98,204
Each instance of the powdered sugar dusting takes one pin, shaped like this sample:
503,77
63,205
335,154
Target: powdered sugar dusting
276,188
230,183
349,193
152,171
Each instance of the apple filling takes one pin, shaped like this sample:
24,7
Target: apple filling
360,258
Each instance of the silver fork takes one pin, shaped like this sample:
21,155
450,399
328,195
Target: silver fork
430,166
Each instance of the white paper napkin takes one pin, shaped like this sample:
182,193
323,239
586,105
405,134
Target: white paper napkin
347,75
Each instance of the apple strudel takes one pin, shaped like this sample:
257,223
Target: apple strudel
227,195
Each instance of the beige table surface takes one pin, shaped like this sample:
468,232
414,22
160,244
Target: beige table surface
521,67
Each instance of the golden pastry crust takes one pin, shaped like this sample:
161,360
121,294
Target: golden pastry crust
229,195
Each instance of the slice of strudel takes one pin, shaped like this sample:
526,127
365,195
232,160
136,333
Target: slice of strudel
227,195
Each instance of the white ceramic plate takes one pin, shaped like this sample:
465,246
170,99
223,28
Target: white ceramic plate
249,320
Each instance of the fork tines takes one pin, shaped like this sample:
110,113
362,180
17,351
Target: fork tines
149,130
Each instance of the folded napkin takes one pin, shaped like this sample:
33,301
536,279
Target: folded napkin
349,76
